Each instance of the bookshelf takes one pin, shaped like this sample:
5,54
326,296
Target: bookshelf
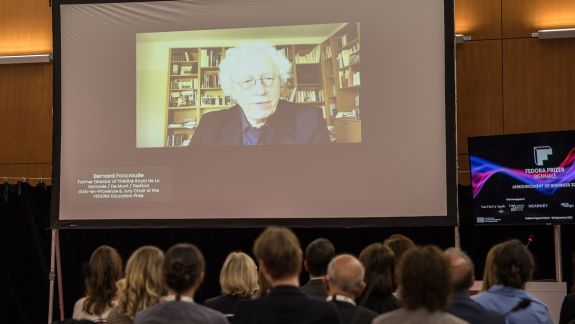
194,89
324,74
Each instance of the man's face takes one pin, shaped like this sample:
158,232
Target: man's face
256,88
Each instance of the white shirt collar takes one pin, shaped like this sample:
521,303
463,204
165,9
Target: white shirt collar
182,298
341,298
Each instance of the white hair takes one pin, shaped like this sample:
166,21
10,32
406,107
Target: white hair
234,57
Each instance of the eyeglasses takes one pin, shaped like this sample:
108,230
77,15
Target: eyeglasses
267,80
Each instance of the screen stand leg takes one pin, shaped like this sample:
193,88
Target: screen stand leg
55,267
558,263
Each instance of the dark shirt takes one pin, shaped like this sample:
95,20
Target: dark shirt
380,303
352,314
226,304
315,288
467,309
291,123
567,309
286,305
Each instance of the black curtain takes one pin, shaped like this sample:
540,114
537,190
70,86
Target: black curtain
25,248
24,253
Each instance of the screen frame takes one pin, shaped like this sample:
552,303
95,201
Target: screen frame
451,219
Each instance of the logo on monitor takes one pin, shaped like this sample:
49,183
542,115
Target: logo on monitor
541,154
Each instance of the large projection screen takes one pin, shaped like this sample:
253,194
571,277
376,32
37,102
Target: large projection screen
357,129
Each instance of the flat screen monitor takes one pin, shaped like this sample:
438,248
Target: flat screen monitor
523,178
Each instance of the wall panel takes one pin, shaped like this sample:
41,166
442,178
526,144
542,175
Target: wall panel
26,113
25,27
538,85
480,19
479,90
522,17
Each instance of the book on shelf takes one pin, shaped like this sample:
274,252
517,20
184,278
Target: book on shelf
177,139
210,57
309,57
210,80
309,96
175,69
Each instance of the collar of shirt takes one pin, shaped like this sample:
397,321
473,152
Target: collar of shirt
247,129
182,298
341,298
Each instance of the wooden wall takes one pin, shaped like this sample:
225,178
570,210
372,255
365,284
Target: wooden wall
25,91
507,82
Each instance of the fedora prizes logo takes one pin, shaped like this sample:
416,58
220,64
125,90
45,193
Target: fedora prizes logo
541,154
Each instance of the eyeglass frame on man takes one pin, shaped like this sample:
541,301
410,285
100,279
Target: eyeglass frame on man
266,81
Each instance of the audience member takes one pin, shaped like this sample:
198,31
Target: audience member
399,244
142,287
263,285
489,268
568,307
513,268
279,256
105,268
345,283
462,278
425,287
183,273
379,263
238,280
317,256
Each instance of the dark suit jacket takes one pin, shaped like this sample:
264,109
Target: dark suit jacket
315,288
352,314
290,124
179,312
567,309
286,305
379,303
467,309
225,304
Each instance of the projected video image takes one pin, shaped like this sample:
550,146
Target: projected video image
249,86
524,178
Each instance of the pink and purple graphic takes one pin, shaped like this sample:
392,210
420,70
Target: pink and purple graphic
545,182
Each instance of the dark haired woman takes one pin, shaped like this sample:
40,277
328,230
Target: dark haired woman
183,273
513,265
105,268
379,263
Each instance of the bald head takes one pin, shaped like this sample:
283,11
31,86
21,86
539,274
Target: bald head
462,275
345,276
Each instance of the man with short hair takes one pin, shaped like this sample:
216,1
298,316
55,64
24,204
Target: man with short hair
344,284
317,256
279,256
462,277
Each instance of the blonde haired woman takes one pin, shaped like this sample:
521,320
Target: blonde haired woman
238,280
142,287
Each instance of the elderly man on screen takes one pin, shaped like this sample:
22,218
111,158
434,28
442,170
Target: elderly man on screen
253,74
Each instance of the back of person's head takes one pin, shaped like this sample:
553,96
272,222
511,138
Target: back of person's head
399,244
379,263
462,270
279,251
143,285
514,264
105,268
239,275
424,279
489,278
346,273
317,256
183,267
